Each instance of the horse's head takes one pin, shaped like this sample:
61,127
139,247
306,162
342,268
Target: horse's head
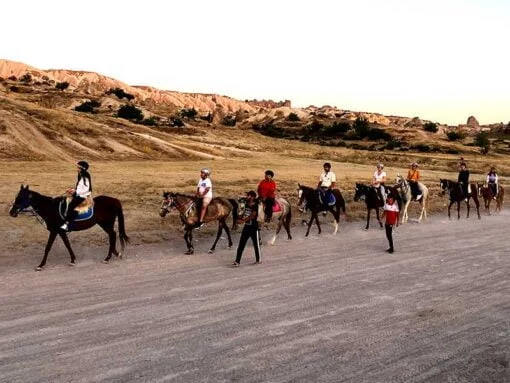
444,184
360,191
400,180
241,205
167,204
303,194
21,202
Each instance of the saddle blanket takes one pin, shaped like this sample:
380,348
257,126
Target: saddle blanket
276,207
327,199
83,211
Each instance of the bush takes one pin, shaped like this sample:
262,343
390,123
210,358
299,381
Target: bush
422,148
208,117
12,78
361,127
176,122
337,129
14,88
130,112
190,113
454,136
120,93
229,121
26,78
314,129
151,121
393,143
482,140
270,130
88,106
62,85
293,117
378,134
430,127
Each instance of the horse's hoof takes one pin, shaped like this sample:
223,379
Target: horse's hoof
71,264
211,251
188,252
105,262
119,255
38,268
229,246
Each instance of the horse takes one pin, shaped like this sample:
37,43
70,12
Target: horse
282,213
372,200
219,209
456,195
406,195
106,210
486,192
309,198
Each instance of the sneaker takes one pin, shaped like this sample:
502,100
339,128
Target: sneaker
200,225
418,197
235,264
64,227
389,251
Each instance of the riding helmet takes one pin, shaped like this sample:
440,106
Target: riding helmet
205,171
269,173
83,164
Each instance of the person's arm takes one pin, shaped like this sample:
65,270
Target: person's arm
496,178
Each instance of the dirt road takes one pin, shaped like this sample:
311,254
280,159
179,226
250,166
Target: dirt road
318,309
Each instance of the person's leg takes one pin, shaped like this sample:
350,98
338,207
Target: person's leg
389,236
70,213
203,211
242,243
269,208
255,238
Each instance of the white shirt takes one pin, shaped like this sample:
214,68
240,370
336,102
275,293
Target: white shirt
378,177
204,184
82,190
327,179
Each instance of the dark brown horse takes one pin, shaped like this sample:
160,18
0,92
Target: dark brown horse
372,200
456,195
309,198
106,211
487,194
218,210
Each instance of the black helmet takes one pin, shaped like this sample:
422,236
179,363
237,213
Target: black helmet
326,165
269,173
83,164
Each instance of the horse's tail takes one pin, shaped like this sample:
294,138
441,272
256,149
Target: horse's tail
235,215
124,239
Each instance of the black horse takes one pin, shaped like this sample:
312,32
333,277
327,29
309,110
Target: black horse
372,200
106,210
456,194
309,198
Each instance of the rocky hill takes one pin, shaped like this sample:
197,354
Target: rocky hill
63,114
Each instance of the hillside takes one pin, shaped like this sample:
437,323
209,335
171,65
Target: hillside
39,121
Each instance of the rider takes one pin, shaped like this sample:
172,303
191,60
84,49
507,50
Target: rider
204,193
266,192
81,191
378,180
413,176
327,181
492,181
463,179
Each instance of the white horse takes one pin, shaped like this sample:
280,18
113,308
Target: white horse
407,197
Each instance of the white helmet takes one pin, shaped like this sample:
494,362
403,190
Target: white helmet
380,165
205,171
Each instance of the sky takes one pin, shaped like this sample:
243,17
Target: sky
440,60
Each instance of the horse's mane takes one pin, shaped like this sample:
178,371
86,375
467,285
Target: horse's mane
307,188
181,195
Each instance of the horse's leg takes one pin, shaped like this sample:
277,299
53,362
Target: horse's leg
188,237
317,222
477,205
112,238
336,215
378,218
310,223
218,235
227,230
63,235
51,239
405,217
278,228
286,223
449,207
468,208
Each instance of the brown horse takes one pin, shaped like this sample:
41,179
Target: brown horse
486,192
218,210
456,195
106,211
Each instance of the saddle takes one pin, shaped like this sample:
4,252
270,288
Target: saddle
83,211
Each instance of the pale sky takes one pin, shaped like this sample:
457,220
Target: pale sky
440,60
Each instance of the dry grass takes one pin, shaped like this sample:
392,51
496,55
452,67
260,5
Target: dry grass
140,184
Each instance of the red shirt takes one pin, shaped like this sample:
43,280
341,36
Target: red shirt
266,189
391,212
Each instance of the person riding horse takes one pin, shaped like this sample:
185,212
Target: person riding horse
81,191
413,176
327,182
492,182
204,194
463,180
266,191
378,180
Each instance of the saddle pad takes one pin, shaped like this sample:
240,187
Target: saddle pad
276,207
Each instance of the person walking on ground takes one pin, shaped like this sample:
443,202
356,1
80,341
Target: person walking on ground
463,180
250,229
391,213
267,194
413,176
81,191
204,193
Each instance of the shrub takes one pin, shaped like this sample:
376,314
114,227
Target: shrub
190,113
26,78
454,136
88,106
62,85
12,78
293,117
151,121
337,129
270,130
208,117
14,88
314,129
393,143
430,127
482,140
229,121
130,112
378,134
120,93
361,127
422,148
176,121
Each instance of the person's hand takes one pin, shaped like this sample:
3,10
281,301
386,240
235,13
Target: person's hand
70,191
240,220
